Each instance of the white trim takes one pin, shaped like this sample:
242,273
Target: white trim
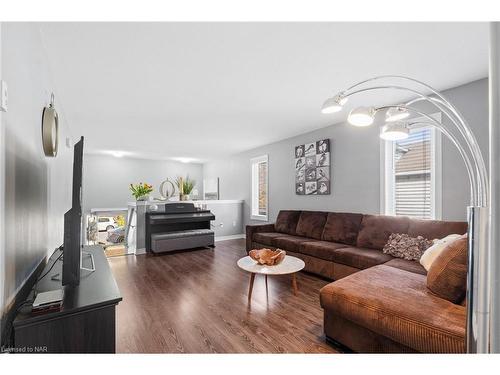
230,237
437,175
140,251
259,217
201,201
254,192
386,182
97,210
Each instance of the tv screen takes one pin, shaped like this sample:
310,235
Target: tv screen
73,223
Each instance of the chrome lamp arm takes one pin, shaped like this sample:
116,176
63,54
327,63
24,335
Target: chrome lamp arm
480,198
461,135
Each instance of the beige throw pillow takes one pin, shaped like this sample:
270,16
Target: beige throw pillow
437,248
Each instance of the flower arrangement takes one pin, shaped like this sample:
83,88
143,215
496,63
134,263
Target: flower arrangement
141,191
185,186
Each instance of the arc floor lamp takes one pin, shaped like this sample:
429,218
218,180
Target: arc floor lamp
398,122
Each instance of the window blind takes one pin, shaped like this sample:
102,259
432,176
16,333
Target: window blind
262,188
412,168
259,202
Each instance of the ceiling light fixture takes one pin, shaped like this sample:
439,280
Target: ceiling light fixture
361,116
117,154
184,160
333,104
395,131
396,114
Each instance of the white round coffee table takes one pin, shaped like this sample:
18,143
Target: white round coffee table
289,265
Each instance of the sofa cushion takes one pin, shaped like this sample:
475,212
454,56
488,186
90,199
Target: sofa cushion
360,257
397,304
266,238
250,230
376,229
320,249
407,265
315,265
447,276
342,227
311,224
290,243
433,229
286,222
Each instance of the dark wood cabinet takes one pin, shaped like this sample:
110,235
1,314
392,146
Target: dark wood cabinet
86,321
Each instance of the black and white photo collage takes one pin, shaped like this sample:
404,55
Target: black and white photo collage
312,168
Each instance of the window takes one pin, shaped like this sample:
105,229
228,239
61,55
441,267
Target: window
412,181
260,188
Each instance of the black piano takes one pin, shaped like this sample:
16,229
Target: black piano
178,226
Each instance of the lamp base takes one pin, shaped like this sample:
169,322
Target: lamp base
478,285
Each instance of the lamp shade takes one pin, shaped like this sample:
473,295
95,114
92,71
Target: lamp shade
333,104
395,131
396,114
361,116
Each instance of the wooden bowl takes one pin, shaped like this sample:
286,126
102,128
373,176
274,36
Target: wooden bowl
268,257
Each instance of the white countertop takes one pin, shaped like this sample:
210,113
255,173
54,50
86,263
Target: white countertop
219,201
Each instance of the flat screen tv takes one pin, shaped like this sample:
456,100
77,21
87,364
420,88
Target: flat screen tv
72,250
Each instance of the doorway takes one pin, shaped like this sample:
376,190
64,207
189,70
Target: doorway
107,229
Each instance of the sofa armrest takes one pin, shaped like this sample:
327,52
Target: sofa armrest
260,228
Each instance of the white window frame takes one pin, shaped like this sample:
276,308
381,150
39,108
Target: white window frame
255,188
387,180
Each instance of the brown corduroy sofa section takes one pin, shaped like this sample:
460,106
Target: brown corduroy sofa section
377,303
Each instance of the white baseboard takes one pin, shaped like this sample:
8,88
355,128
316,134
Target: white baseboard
140,251
231,237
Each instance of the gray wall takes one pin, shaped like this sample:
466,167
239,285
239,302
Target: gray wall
228,218
355,165
37,189
106,178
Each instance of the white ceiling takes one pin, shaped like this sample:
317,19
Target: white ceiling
206,90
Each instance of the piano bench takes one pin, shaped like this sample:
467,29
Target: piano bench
181,240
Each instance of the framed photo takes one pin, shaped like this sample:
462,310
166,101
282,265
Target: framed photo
300,188
299,152
313,168
311,188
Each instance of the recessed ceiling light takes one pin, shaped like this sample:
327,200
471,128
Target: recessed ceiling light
117,154
184,160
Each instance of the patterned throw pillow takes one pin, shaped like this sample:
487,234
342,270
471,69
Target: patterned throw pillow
406,247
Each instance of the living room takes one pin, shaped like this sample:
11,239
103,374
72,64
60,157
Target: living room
249,188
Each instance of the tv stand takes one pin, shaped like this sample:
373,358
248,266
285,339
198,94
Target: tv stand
92,267
86,321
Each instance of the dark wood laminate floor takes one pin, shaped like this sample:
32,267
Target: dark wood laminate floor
196,302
